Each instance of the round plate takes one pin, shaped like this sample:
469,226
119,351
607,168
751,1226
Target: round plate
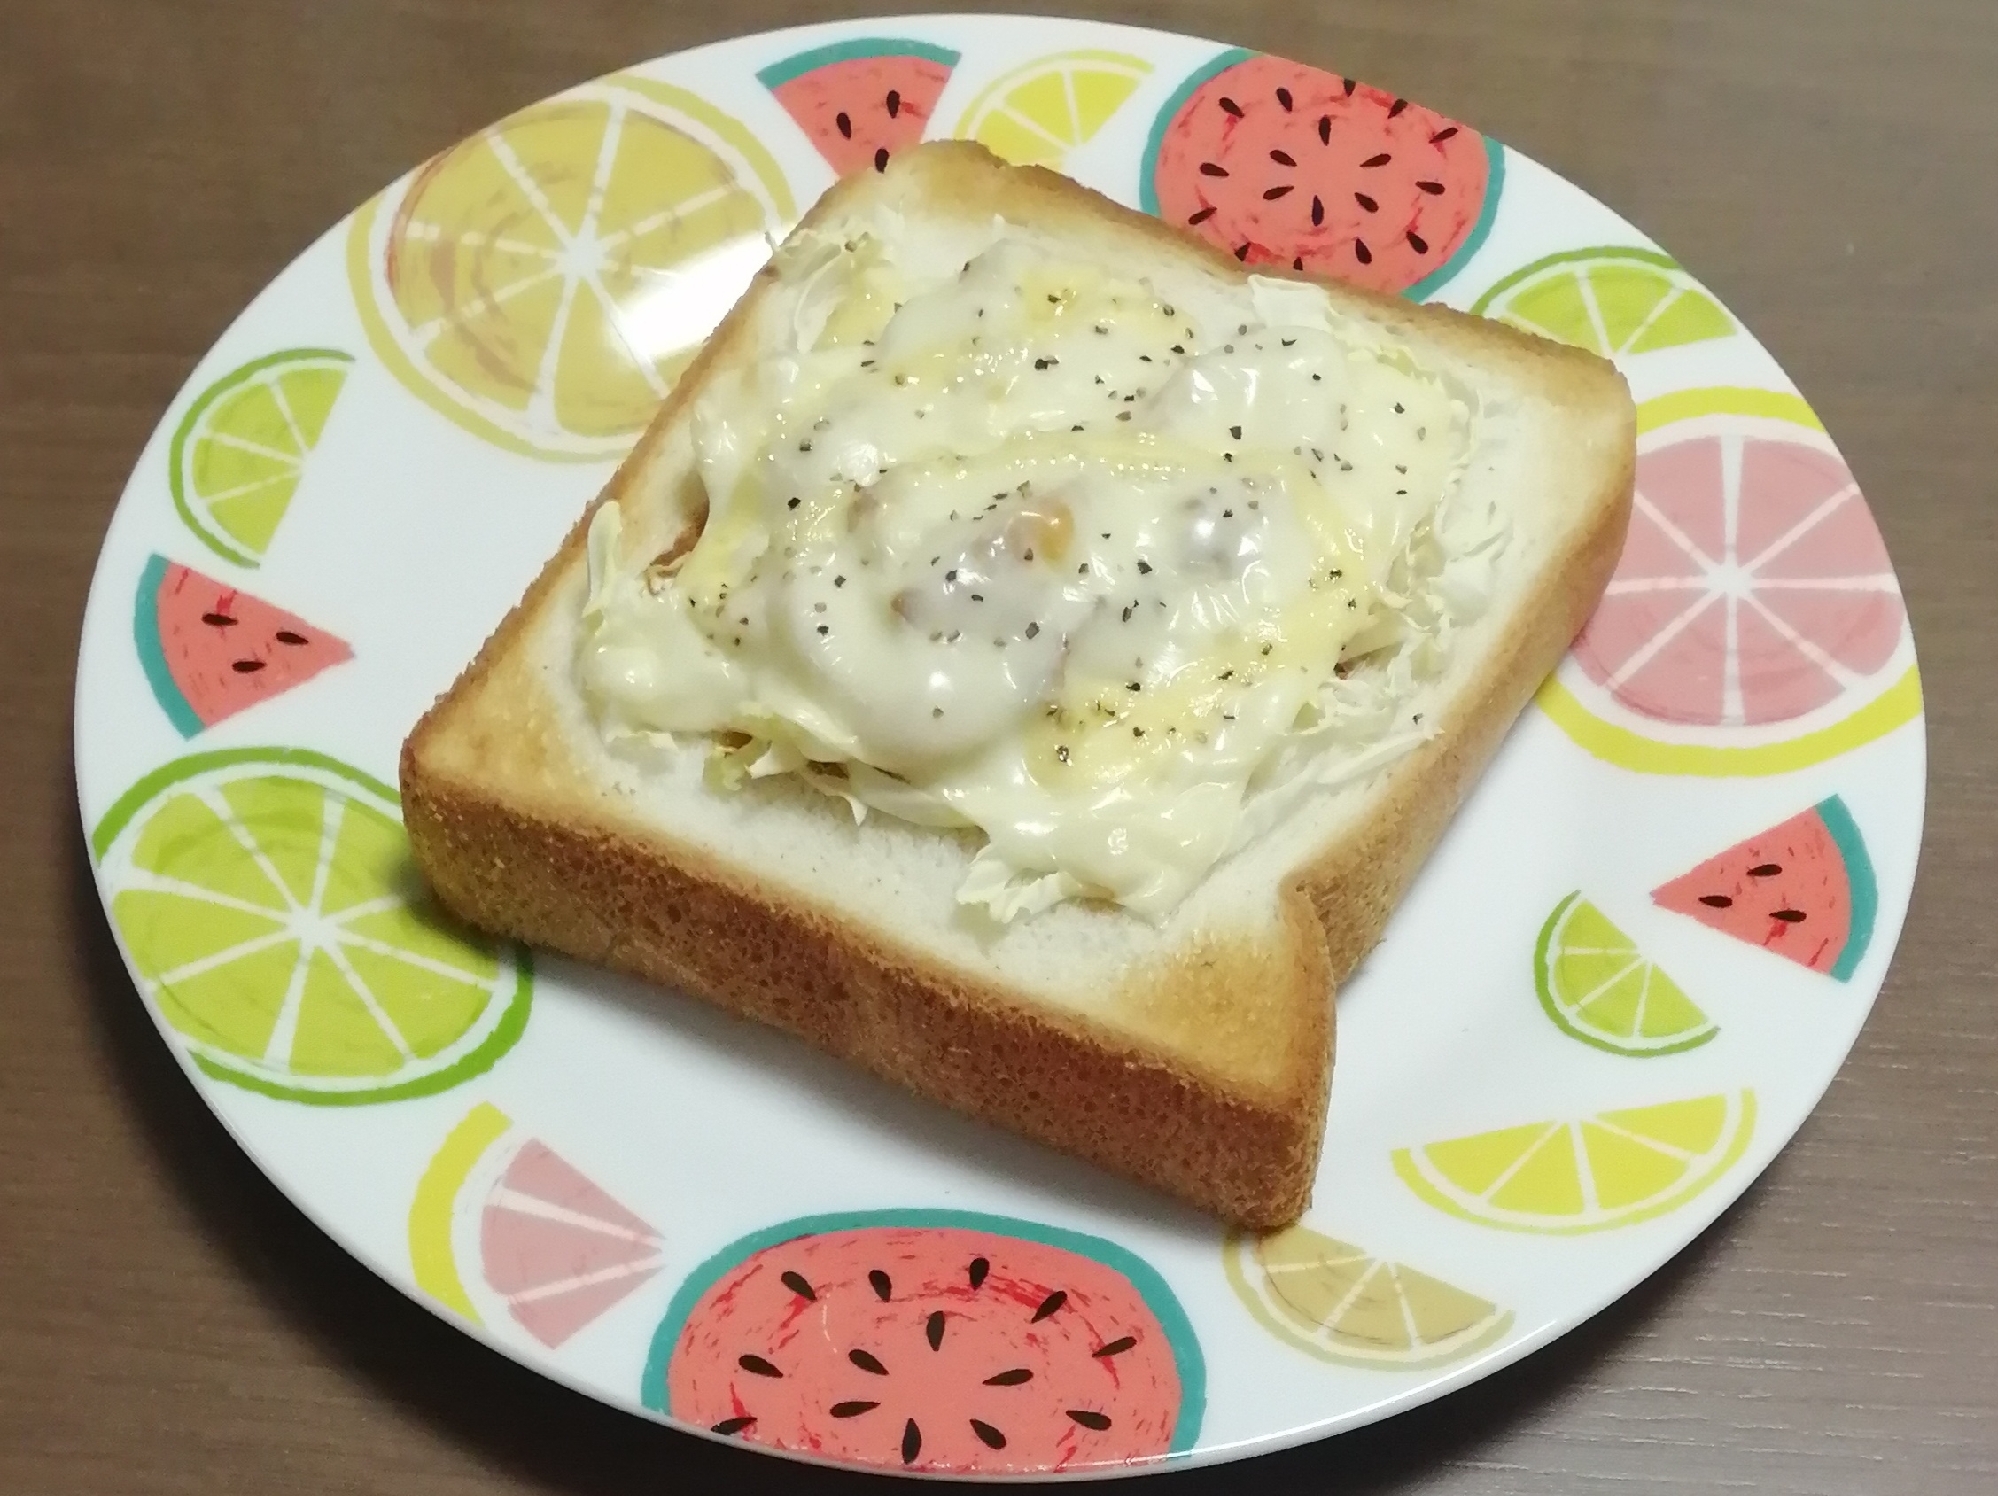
1621,984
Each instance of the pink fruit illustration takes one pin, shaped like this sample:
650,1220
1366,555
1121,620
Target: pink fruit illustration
864,99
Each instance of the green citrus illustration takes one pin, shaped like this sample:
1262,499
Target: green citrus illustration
268,905
1339,1303
1592,1174
539,283
1039,112
1611,300
1600,988
238,453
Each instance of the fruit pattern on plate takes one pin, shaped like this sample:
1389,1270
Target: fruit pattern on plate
1614,300
211,650
267,905
500,1220
1287,165
513,283
237,455
932,1340
1037,113
859,101
1598,987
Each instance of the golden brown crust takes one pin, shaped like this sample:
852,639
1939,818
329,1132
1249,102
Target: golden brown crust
1213,1085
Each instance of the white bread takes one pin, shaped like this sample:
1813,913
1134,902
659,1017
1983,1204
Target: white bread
1193,1054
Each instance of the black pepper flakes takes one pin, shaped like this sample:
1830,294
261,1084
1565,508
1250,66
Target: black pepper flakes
1144,568
791,503
1033,630
1061,752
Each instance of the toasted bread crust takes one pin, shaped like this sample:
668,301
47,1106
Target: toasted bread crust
515,838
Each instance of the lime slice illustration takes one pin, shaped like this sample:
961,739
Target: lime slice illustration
1039,112
1600,988
268,905
237,454
1339,1303
542,283
502,1227
1611,301
1566,1177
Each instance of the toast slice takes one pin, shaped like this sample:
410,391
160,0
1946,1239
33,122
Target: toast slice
1192,1052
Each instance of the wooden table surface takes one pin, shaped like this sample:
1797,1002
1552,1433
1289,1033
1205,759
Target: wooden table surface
169,1324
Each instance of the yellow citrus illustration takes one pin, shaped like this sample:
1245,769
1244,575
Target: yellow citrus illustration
1600,988
1037,113
543,282
1612,301
1339,1303
1591,1174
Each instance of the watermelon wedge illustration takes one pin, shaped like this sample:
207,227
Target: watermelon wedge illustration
1283,164
504,1228
864,99
931,1340
1803,889
211,650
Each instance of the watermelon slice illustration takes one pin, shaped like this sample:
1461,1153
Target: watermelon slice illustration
926,1340
1803,889
500,1219
864,99
1283,164
211,650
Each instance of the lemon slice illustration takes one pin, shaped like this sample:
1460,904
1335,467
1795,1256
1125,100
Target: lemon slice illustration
1593,1174
1039,112
1339,1303
1600,988
543,283
1610,301
267,902
238,453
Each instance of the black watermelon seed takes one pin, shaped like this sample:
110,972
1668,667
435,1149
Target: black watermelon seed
1242,252
845,124
1443,134
1348,84
1118,1346
1324,129
851,1409
1083,1416
979,1268
1271,194
881,159
797,1285
1393,109
1298,263
1059,1297
867,1362
989,1436
1210,169
246,667
912,1441
218,620
1381,160
1716,900
934,1329
1366,202
1202,216
732,1425
1417,243
1317,212
1790,916
1011,1378
1434,189
1283,158
877,1279
1361,253
1231,106
894,102
1760,870
286,636
1283,98
757,1366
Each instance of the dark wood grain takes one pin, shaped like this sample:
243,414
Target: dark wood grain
168,1324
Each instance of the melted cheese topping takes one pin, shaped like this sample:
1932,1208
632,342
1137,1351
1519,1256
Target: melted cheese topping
1030,548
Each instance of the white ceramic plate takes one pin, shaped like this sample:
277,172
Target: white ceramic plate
1540,1098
